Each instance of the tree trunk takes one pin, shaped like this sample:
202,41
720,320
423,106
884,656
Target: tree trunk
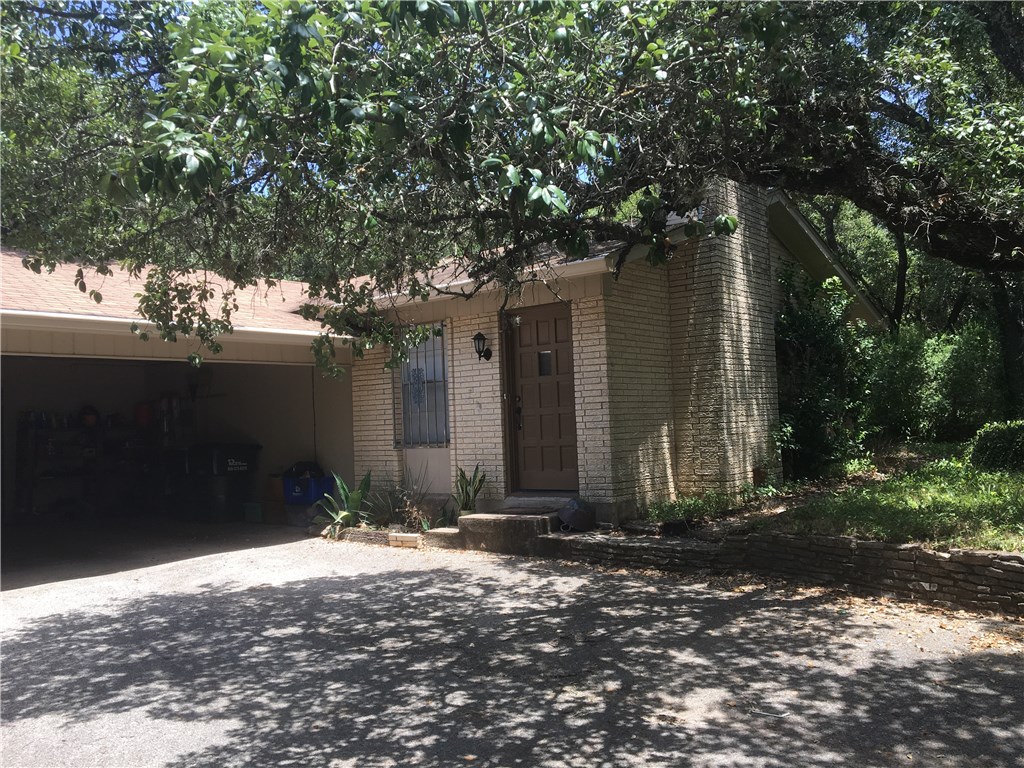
959,304
903,264
1008,303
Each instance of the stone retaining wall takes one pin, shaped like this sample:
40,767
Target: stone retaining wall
962,578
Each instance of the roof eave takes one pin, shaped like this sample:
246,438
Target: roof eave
568,271
780,204
75,323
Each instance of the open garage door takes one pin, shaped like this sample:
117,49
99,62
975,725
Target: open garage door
93,443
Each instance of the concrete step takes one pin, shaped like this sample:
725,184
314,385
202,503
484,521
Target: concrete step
510,534
442,538
525,505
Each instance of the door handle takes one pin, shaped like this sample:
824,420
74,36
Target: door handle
518,411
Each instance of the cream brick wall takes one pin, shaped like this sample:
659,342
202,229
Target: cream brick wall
475,401
373,418
640,384
592,400
723,342
675,378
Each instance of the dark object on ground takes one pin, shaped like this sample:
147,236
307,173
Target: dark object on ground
303,469
575,517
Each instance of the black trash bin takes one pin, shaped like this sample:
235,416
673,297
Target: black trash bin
223,478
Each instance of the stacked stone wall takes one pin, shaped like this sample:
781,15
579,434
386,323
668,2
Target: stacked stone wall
981,580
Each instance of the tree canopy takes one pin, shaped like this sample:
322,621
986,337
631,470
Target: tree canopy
335,139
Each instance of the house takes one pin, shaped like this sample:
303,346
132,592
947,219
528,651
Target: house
62,352
621,390
658,383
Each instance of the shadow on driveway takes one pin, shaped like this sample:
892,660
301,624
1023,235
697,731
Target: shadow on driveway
33,555
551,666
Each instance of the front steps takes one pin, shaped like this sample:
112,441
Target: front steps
514,528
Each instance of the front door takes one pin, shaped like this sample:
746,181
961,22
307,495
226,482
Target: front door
543,402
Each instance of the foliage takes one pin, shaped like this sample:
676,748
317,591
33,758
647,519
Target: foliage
343,506
941,301
965,385
946,503
468,488
333,140
935,387
869,251
818,355
406,503
999,446
895,380
708,506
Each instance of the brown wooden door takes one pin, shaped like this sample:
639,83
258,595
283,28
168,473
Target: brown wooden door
543,400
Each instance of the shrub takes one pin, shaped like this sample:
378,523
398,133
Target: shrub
818,355
468,488
895,379
999,445
398,502
706,507
964,386
941,387
338,510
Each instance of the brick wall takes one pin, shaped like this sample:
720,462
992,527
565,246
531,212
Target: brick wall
675,390
593,407
640,385
475,403
373,418
975,579
722,332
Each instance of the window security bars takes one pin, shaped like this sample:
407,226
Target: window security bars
421,389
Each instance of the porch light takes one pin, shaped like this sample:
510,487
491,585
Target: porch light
480,345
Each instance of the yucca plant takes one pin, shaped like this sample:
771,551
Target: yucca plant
341,508
467,488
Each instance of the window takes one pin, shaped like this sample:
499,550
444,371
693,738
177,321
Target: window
423,394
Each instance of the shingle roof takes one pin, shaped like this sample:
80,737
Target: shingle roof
262,308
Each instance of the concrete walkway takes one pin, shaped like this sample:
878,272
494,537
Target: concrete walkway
309,653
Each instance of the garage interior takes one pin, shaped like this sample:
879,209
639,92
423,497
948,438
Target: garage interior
93,443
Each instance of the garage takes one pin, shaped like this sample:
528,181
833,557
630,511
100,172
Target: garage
104,431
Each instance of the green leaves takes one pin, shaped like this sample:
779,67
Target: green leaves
329,141
725,224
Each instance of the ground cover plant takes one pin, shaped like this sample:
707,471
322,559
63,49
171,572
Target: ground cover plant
946,502
708,506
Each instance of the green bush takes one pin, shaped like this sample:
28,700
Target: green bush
964,386
820,385
707,507
935,387
999,445
895,378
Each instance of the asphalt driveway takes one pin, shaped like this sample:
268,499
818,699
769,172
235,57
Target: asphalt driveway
310,653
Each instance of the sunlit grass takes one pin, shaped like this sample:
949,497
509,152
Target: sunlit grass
945,503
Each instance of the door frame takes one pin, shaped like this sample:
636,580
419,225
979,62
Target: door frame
508,383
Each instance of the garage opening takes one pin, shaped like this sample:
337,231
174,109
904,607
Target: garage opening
127,446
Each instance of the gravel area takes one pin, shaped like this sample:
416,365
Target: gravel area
340,654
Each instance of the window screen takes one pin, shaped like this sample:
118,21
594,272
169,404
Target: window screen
424,395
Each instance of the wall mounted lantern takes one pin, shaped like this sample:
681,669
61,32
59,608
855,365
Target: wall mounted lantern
483,352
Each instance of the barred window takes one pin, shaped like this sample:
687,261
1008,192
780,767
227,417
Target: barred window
424,395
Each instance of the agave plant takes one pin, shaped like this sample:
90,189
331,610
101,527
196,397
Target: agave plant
341,508
467,488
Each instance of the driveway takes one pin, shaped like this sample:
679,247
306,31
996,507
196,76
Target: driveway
310,653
